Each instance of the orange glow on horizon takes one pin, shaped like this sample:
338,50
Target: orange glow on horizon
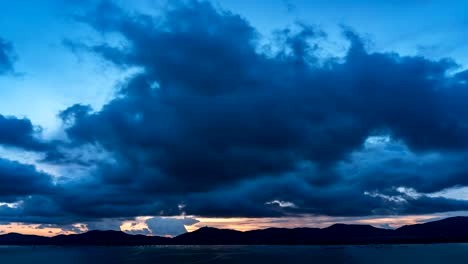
32,230
244,224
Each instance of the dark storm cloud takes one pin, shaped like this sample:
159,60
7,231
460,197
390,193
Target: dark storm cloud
215,123
211,108
21,133
19,180
348,198
210,101
423,175
7,57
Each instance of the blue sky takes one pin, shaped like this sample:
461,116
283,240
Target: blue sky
359,100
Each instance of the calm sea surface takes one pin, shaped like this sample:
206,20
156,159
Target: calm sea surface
427,254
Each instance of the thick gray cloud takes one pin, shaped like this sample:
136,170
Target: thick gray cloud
21,133
217,124
18,180
169,226
229,112
211,110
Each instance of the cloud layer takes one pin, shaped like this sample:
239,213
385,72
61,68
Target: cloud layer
217,123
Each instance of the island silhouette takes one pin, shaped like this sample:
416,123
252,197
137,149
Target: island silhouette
449,230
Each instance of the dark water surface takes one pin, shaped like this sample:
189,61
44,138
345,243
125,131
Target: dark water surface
427,254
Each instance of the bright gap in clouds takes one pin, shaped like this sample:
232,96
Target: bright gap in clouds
460,193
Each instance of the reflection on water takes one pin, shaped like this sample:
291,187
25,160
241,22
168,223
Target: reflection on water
438,253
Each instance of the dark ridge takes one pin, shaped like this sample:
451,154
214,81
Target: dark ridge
454,229
210,236
19,239
450,230
109,238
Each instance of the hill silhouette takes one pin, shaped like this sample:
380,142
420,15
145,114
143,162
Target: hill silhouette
450,230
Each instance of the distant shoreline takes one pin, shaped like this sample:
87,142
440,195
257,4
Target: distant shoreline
450,230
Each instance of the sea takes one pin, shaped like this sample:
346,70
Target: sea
427,254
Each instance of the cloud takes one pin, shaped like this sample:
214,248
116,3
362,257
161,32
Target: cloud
169,226
21,133
207,113
107,224
281,203
224,110
18,180
214,120
7,57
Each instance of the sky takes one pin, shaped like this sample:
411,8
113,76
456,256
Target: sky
159,117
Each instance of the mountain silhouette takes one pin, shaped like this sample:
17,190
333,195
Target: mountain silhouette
450,230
